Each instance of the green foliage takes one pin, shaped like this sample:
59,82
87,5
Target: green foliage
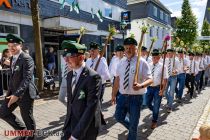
205,32
144,29
187,25
132,35
112,30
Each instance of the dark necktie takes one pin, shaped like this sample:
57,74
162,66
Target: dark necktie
169,67
126,78
65,71
91,66
74,80
190,66
13,63
153,69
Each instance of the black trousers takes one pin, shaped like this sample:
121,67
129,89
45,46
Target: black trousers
201,80
91,133
26,110
190,82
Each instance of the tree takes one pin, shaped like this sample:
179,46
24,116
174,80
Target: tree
205,32
187,25
37,43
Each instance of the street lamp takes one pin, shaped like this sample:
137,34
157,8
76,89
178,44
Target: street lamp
123,24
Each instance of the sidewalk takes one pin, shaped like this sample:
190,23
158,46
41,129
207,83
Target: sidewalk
49,114
204,119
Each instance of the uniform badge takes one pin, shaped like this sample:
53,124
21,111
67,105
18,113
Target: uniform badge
133,70
81,95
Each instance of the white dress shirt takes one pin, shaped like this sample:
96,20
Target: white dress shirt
205,63
102,69
79,71
14,59
208,59
149,59
63,65
113,65
194,68
201,64
144,74
158,73
175,67
182,63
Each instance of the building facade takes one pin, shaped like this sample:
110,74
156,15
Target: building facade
207,13
153,14
59,23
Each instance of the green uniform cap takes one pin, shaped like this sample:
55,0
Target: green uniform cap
180,51
170,50
11,38
130,41
72,48
143,48
119,48
94,46
191,53
155,52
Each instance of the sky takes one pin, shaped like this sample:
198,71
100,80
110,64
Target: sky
198,8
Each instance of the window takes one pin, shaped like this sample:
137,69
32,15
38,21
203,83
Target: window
166,18
8,29
108,12
151,32
163,33
161,14
157,34
155,11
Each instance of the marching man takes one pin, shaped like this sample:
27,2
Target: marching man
155,91
130,98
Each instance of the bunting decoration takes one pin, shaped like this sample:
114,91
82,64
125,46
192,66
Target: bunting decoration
73,4
76,7
99,15
92,13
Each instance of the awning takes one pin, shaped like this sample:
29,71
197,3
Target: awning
66,24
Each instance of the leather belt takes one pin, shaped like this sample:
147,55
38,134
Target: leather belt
155,86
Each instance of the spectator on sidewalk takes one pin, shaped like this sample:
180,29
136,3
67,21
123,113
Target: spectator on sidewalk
50,60
5,63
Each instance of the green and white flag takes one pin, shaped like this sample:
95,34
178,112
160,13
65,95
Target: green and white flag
92,13
71,8
62,3
76,7
99,15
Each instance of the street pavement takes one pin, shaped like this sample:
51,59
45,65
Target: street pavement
182,124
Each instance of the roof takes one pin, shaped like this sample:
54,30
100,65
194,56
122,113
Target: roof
157,2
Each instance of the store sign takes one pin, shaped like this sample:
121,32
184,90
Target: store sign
6,3
203,38
126,16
